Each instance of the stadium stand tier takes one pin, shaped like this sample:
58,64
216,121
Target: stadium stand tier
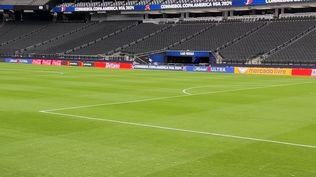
17,30
220,35
78,38
265,39
51,30
123,38
292,41
163,40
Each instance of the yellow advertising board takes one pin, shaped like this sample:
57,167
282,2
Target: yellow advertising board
264,71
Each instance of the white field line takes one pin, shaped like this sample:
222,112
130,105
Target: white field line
177,96
183,130
186,91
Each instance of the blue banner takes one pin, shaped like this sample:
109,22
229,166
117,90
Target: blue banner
179,53
221,69
64,9
6,7
147,7
248,2
157,58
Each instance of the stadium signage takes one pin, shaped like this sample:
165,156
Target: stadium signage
285,1
187,53
112,8
148,7
264,71
197,68
301,72
191,5
22,61
314,72
111,65
201,69
248,2
56,62
227,69
153,7
46,62
88,64
36,61
159,67
74,63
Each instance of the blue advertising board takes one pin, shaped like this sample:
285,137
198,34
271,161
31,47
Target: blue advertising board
222,69
192,68
15,60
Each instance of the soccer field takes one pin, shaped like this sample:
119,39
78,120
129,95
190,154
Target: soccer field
86,122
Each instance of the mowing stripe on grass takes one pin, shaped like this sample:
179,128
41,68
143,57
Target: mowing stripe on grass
182,130
33,71
170,97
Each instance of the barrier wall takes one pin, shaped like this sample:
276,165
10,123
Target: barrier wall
234,70
51,62
190,68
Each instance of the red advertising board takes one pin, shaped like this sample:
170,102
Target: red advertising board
126,66
36,61
301,72
46,62
80,63
56,62
99,64
65,62
112,65
313,73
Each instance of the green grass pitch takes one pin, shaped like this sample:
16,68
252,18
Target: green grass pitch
86,122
